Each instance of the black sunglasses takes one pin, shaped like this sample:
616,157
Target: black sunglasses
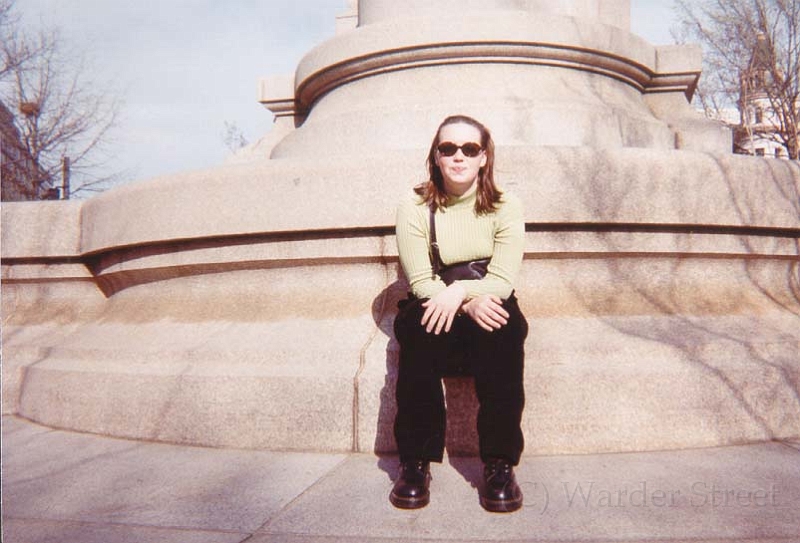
448,148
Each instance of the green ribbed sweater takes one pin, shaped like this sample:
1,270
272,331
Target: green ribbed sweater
462,235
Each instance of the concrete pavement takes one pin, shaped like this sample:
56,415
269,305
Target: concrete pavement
67,487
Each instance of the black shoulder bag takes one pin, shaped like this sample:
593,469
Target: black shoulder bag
474,269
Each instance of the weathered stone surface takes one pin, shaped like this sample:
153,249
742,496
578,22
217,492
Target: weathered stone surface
66,487
72,487
678,496
233,205
702,354
646,273
41,229
240,359
250,305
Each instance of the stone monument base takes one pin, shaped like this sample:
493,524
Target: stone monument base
662,289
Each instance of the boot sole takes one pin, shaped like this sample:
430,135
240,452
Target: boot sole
501,506
409,503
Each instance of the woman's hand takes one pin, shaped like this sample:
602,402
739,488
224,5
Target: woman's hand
487,310
442,309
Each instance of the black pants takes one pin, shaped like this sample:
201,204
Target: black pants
495,359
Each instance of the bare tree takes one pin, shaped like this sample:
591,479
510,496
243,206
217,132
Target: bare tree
16,51
750,47
233,137
6,30
61,117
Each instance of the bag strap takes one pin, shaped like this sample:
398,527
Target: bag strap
435,258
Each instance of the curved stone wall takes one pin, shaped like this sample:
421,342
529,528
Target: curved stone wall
251,305
663,291
537,77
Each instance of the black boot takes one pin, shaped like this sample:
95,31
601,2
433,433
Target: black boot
411,488
501,493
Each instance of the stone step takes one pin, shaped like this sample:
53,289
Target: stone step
592,384
70,487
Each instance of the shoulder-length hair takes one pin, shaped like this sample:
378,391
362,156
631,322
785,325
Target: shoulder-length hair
487,194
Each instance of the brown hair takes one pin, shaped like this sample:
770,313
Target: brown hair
487,194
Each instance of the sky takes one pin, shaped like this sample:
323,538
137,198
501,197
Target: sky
184,68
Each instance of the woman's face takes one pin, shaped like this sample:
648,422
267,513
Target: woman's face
459,171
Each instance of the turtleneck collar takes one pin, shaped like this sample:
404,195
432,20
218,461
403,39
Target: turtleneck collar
466,199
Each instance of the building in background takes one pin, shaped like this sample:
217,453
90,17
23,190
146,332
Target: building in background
20,176
758,130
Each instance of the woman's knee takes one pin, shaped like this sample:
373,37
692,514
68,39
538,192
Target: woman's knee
407,323
517,325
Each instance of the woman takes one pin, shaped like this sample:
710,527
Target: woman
476,317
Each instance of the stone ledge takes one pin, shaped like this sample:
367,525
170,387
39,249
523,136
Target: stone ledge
558,185
41,229
623,383
721,391
706,347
